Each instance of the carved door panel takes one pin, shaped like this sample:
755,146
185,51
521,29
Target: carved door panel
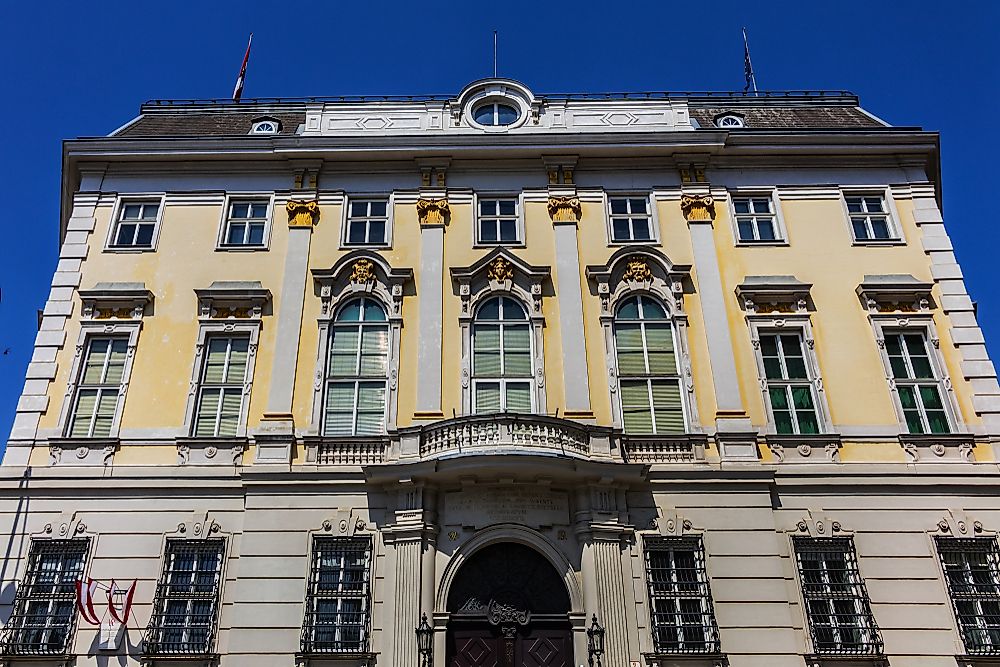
474,648
545,647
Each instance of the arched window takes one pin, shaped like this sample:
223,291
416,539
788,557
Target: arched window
501,358
356,370
648,379
730,120
495,114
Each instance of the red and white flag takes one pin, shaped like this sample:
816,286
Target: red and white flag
85,590
238,90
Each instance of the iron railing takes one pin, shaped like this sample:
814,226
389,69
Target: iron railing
683,617
836,600
185,608
44,609
338,602
972,571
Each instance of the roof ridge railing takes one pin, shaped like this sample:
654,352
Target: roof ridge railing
652,95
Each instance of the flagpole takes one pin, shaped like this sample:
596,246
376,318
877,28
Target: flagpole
749,63
494,54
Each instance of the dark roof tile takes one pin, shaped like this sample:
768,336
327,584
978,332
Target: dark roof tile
799,117
188,124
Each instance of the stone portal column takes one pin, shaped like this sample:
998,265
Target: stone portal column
735,434
607,563
277,429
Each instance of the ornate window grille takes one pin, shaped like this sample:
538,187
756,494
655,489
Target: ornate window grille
44,610
680,599
187,598
338,604
972,570
836,600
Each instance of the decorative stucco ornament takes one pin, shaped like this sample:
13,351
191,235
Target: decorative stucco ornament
500,270
637,270
302,213
362,271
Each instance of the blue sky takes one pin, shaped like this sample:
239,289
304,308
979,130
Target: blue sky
82,69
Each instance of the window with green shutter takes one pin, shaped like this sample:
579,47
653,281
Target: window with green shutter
356,371
916,382
221,389
99,387
790,387
501,358
648,377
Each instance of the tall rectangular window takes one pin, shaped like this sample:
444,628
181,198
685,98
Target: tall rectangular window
221,390
790,389
631,219
367,222
679,595
246,222
187,598
870,220
972,571
44,609
498,221
917,385
357,370
98,387
836,600
136,225
338,602
755,219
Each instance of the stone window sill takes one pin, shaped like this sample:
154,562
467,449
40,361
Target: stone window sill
846,661
335,659
681,660
978,660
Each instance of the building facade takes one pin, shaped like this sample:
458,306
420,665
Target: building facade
699,370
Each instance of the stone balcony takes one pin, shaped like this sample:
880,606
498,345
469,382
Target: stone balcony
505,433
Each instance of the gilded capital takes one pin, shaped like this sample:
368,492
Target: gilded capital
302,213
698,208
564,209
433,211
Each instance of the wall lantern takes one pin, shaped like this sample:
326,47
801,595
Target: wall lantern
425,638
595,641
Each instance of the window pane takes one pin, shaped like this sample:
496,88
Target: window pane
86,402
741,205
508,230
636,410
508,207
376,231
240,210
357,232
765,229
488,230
880,228
860,230
378,208
620,229
660,349
518,397
131,212
256,236
640,229
745,226
236,233
487,397
144,236
350,312
208,407
619,206
854,204
126,235
667,407
374,351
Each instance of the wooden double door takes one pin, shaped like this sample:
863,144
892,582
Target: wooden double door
538,644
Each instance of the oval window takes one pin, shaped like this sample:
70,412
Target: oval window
495,114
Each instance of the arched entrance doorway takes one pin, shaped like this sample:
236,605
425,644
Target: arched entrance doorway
509,608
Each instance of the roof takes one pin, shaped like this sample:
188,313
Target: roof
784,117
224,122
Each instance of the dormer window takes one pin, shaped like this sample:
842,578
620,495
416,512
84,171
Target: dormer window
265,126
730,120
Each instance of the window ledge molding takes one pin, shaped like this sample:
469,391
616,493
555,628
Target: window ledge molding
48,660
240,248
82,451
211,451
685,660
846,661
978,660
878,244
126,301
777,243
790,449
938,448
335,659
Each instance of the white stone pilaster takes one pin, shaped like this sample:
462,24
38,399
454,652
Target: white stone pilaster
431,299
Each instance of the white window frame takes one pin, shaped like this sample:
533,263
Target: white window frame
924,325
891,213
679,353
500,379
802,327
780,231
138,198
346,219
520,241
258,127
356,379
654,220
719,121
236,198
128,330
221,328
